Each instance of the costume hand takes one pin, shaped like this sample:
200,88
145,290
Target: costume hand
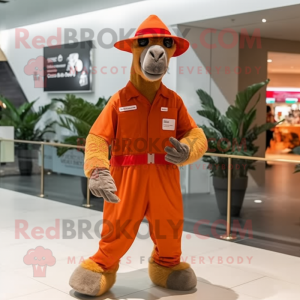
179,154
103,185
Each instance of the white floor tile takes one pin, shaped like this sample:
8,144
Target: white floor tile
14,254
269,288
14,285
289,273
252,259
193,244
8,238
50,294
223,275
57,276
37,211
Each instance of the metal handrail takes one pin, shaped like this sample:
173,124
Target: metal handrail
228,235
252,157
43,143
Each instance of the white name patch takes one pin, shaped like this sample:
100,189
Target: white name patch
168,124
164,109
127,108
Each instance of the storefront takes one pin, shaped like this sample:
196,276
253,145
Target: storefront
285,105
283,96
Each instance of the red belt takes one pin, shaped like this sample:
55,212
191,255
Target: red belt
138,159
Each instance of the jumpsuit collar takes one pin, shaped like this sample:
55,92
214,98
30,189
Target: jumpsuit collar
132,92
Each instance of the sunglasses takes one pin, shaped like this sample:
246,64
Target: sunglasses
168,42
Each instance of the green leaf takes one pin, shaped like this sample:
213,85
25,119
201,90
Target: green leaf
248,120
236,128
237,112
243,98
25,108
24,119
10,112
205,99
77,116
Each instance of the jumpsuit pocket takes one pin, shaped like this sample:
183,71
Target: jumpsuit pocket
168,125
128,124
132,132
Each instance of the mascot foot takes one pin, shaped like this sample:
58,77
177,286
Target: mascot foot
90,279
180,277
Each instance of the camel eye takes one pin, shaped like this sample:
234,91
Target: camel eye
168,42
143,42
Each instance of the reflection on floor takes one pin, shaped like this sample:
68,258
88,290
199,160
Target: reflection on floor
274,223
225,270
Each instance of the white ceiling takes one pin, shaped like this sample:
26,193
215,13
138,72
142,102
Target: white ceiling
282,23
283,63
17,13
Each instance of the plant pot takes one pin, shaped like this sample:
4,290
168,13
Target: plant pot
25,161
238,190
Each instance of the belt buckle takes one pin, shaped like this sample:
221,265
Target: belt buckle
150,158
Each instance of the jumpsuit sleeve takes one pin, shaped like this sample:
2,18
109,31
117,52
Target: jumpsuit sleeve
100,137
188,133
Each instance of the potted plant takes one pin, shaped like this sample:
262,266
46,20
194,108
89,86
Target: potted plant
77,116
24,119
232,133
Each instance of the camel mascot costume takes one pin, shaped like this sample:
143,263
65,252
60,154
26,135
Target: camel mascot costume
151,135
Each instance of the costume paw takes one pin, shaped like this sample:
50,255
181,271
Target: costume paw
90,279
180,277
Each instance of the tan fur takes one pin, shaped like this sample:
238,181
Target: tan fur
146,87
85,281
197,142
106,280
96,154
92,266
160,274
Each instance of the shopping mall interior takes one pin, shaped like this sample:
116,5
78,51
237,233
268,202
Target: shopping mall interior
236,69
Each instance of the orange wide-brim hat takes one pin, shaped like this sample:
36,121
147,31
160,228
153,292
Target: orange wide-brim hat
153,27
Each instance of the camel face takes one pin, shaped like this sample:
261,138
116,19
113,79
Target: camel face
151,57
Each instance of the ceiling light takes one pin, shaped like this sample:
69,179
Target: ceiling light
264,20
269,60
257,201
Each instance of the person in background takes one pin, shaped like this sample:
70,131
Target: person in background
269,133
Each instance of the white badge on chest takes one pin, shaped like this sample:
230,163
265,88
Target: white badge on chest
127,108
168,124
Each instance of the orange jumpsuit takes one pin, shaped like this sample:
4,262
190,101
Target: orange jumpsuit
134,126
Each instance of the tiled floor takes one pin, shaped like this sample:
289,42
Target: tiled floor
225,271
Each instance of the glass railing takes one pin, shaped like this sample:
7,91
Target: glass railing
42,169
241,209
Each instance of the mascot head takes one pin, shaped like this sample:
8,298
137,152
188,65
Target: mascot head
152,47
